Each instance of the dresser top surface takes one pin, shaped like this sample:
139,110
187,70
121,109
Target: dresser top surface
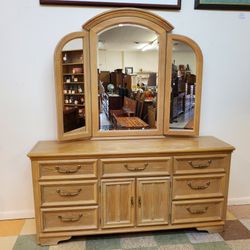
168,145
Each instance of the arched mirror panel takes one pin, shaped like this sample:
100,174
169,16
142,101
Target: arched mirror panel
127,77
71,60
128,63
184,74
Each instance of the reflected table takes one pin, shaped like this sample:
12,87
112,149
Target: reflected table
130,123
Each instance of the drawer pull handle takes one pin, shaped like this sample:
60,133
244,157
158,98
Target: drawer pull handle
65,193
70,219
139,201
202,165
199,187
68,171
136,169
198,211
132,201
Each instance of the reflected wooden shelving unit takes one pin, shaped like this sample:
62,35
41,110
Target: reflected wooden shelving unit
73,89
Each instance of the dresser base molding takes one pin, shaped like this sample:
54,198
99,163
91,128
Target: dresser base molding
49,241
211,229
107,187
54,238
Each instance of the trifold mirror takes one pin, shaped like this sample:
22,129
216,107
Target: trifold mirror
126,75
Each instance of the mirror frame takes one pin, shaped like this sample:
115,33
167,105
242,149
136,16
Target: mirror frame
79,133
133,17
198,86
89,35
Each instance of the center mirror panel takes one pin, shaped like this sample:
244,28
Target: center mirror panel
127,68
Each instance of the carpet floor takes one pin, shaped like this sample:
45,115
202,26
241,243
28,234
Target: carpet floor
20,235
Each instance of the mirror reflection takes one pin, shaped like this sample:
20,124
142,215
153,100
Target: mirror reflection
73,85
127,60
183,87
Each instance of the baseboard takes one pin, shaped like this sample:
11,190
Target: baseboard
10,215
239,201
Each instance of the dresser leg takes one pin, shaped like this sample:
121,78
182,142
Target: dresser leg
212,229
51,240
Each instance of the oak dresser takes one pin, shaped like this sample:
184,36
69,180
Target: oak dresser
113,186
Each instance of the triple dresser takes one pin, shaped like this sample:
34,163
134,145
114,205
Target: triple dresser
114,186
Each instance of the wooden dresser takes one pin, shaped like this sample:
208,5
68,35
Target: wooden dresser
112,186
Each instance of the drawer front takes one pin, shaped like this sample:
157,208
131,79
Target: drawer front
198,186
68,193
67,169
197,211
201,164
74,218
136,167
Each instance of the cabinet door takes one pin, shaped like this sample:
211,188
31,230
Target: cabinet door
153,201
118,203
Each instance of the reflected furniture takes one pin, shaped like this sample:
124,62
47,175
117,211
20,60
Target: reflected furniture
128,108
93,182
111,102
129,122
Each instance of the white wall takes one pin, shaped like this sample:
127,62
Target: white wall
184,58
29,34
109,60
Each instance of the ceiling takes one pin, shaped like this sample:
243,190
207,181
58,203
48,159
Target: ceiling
126,38
181,47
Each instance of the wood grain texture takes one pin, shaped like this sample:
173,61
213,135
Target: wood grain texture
153,201
169,145
146,166
198,186
118,203
128,12
146,184
190,211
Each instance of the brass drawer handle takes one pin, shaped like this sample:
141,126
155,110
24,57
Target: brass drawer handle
204,165
65,193
68,171
70,219
132,201
136,169
199,187
198,211
139,201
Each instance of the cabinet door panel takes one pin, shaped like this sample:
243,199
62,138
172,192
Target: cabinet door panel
152,201
118,203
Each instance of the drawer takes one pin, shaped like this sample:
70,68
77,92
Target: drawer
70,169
198,186
136,167
201,164
69,219
68,193
197,211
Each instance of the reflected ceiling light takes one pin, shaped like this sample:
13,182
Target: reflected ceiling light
120,25
141,45
100,44
151,45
